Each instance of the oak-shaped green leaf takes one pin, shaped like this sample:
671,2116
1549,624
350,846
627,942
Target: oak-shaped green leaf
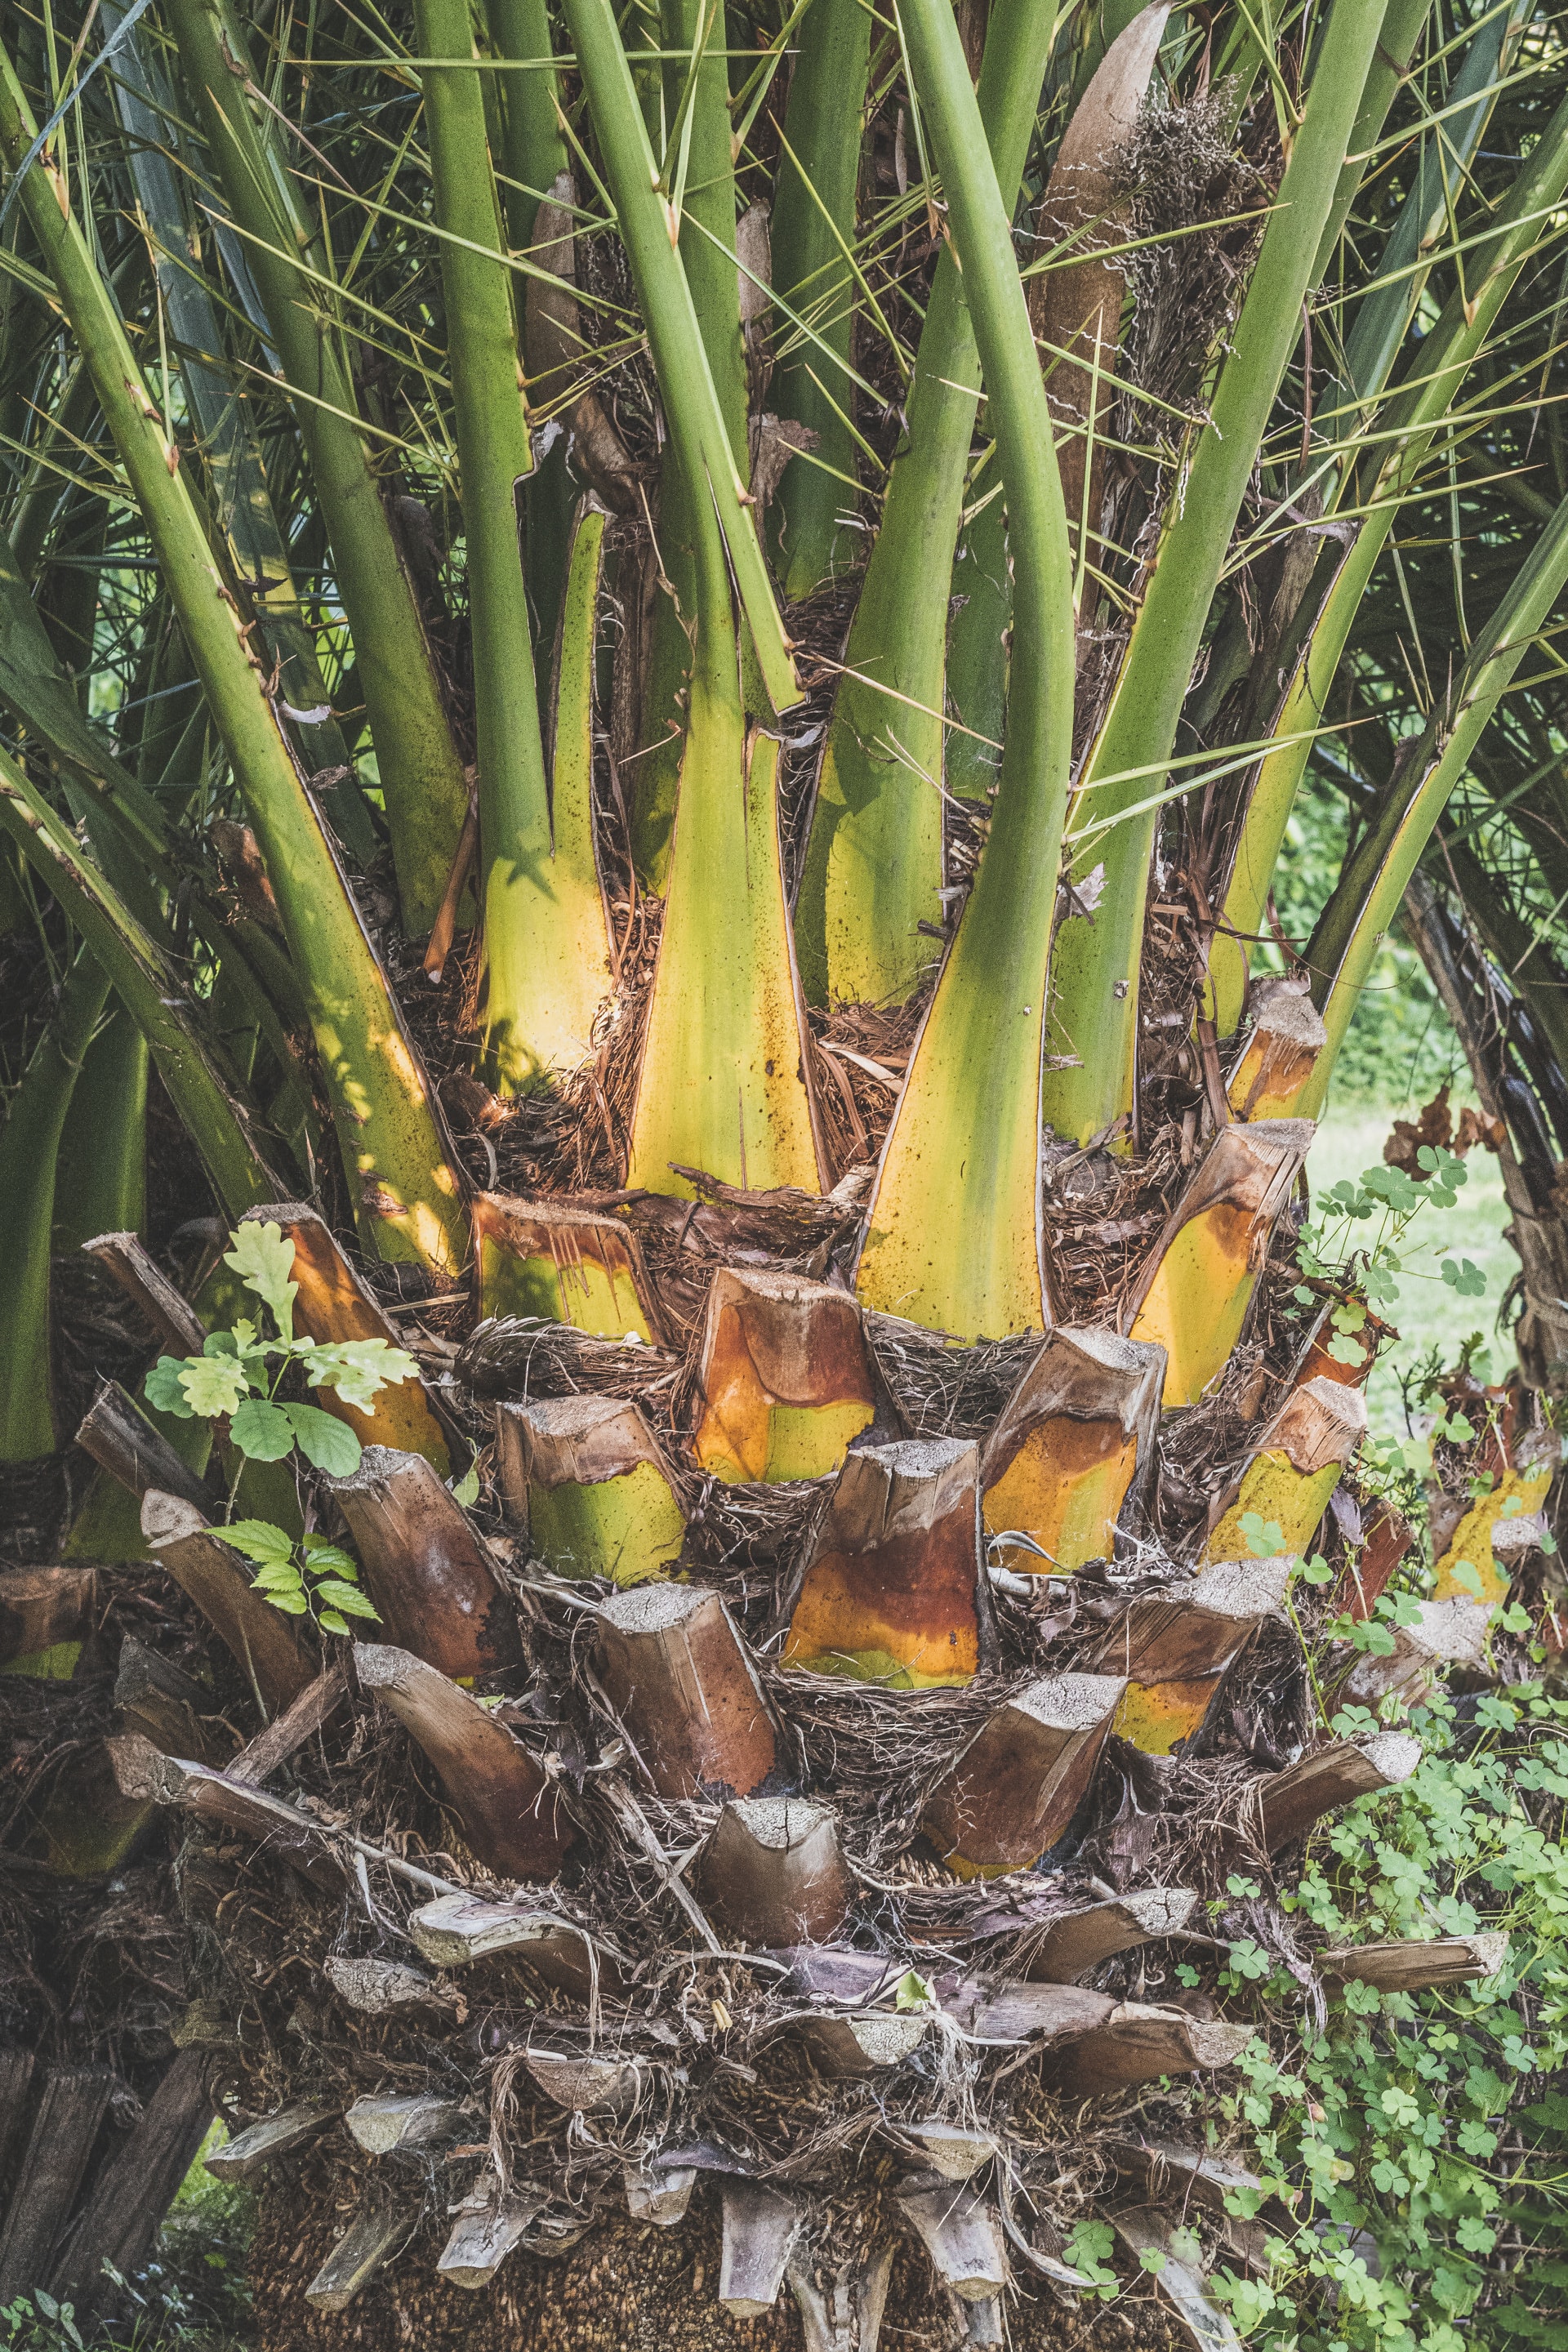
261,1431
213,1384
162,1389
359,1369
324,1441
263,1257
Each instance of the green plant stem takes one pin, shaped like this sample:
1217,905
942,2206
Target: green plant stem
195,1073
533,148
545,964
100,1179
1095,969
421,775
405,1195
874,860
241,501
692,408
953,1236
1354,922
812,224
707,250
29,1150
1385,476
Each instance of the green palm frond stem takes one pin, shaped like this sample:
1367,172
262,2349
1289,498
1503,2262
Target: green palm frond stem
953,1236
100,1178
874,860
534,154
814,229
240,496
421,774
532,147
698,179
405,1194
545,954
1405,427
724,1084
1355,919
207,1098
1095,968
29,1148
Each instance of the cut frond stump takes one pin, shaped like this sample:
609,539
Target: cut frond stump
565,1265
586,1477
124,1439
365,2247
784,1375
844,2047
1078,1940
961,2233
1281,1055
1073,1438
455,1930
842,2313
491,2222
1176,1646
333,1304
1193,1296
1014,1789
1299,1460
424,1566
1407,1965
661,2196
1330,1778
165,1705
171,1315
1138,2043
1445,1632
1178,2282
265,1644
46,1615
586,2085
682,1682
501,1793
760,2229
149,1778
384,2122
889,1592
373,1987
773,1872
278,2135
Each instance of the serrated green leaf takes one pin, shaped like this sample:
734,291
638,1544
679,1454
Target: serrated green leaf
281,1576
292,1604
326,1558
261,1431
259,1540
162,1389
263,1259
358,1369
347,1597
331,1623
325,1442
213,1385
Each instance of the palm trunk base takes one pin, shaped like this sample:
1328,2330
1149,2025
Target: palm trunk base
627,2287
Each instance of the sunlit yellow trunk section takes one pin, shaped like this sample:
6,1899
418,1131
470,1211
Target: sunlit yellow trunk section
1194,1296
724,1086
